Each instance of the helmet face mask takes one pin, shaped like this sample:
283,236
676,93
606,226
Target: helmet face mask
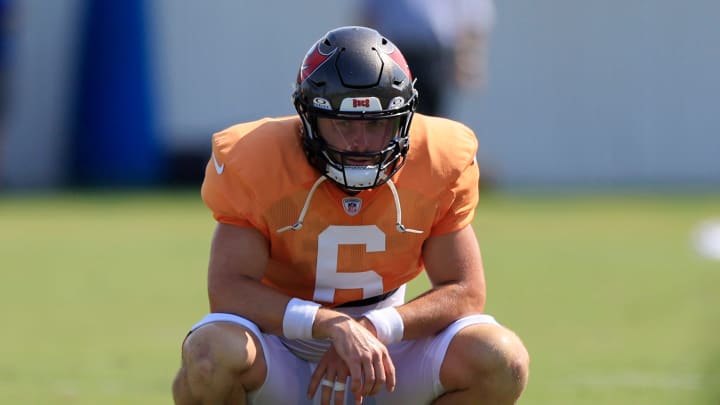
360,153
355,96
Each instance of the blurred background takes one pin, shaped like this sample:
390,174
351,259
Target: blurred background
599,132
610,94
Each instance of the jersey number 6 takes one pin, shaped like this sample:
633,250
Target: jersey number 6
328,279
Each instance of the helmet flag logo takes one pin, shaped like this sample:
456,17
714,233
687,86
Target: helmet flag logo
313,60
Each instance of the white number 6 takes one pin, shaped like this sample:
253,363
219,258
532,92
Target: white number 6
327,278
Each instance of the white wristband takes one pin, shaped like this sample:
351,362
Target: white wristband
388,324
298,319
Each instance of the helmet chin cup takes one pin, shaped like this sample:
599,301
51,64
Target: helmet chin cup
355,177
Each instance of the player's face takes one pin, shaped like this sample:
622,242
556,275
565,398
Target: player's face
358,135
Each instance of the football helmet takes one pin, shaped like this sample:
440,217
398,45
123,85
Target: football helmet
354,74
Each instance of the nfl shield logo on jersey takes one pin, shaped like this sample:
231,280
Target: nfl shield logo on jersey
351,205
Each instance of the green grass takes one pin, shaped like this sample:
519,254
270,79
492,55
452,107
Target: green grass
98,290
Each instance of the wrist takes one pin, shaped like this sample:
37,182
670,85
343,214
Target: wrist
388,324
368,325
299,318
326,321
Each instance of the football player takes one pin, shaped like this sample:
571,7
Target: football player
322,219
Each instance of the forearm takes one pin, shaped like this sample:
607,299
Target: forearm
437,308
249,298
453,265
265,306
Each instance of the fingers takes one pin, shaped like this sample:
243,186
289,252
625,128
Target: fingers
339,389
379,380
326,390
356,379
374,374
389,369
368,380
328,387
315,379
369,376
380,374
333,390
360,354
331,376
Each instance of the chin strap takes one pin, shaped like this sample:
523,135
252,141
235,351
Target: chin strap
398,211
396,199
297,225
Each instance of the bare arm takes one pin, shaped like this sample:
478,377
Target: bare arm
454,267
238,258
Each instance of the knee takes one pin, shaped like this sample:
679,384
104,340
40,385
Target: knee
495,358
512,362
213,354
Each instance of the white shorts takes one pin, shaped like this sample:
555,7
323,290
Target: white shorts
417,366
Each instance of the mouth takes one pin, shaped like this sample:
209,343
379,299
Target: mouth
360,161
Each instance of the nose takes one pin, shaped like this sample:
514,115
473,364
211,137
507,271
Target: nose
358,142
357,138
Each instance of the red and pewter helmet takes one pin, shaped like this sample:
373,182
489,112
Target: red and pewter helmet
354,73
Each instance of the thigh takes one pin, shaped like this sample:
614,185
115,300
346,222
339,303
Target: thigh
287,376
418,364
485,358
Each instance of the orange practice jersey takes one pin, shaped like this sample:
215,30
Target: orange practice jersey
348,247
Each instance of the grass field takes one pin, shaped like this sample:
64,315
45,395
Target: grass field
98,290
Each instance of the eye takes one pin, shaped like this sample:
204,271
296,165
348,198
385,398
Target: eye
376,124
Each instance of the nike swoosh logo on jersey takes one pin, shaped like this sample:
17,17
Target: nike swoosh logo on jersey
219,168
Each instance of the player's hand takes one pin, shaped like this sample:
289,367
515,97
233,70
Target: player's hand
366,358
330,374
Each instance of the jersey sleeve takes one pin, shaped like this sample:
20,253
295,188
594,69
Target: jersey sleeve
463,201
456,156
224,190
